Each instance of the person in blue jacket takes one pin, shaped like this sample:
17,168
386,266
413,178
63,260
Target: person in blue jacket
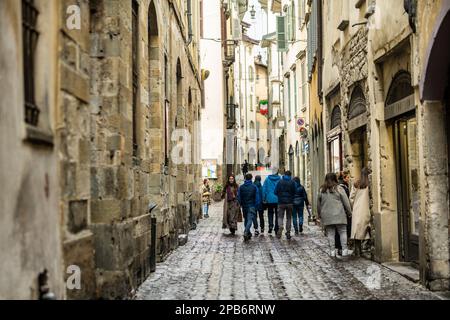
249,199
271,200
260,208
300,199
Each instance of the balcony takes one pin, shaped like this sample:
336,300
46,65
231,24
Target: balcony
231,115
230,49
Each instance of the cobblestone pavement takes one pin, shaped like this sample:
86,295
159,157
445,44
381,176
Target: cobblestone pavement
214,265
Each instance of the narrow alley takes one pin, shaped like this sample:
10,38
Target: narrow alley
214,265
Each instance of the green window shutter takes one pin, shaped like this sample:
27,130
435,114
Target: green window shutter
281,34
289,23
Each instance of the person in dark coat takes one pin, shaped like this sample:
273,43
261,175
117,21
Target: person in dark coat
300,200
260,208
245,168
343,182
285,191
249,200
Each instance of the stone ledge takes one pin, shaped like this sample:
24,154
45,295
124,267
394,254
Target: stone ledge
405,269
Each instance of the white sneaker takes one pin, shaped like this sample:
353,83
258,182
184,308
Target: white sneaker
333,253
347,252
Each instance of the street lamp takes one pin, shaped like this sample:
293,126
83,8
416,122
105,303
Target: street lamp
253,13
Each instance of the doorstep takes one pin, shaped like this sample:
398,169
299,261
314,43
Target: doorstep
405,269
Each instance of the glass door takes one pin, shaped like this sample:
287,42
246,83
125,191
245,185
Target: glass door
408,188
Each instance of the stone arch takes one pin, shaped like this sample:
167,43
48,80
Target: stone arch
357,103
252,156
400,87
435,74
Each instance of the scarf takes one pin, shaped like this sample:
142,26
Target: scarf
231,193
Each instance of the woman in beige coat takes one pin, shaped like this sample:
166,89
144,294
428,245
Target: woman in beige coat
360,201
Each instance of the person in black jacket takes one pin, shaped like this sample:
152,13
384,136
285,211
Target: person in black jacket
249,199
285,191
300,200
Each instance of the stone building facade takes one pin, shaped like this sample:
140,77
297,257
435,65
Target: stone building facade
118,128
376,116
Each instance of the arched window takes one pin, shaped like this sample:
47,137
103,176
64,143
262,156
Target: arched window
335,118
251,74
357,103
400,88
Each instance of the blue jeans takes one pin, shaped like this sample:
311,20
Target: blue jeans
298,212
249,218
205,209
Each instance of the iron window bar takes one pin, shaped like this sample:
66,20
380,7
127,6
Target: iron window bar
30,36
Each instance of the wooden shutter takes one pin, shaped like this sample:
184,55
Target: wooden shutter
281,34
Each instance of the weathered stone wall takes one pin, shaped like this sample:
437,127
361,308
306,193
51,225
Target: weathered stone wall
30,236
73,137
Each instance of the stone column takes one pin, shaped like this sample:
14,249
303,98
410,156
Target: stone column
434,246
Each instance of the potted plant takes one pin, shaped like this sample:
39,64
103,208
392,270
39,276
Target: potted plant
217,192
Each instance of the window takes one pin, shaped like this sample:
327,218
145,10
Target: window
251,74
289,97
30,36
304,84
295,92
292,17
201,18
250,100
135,66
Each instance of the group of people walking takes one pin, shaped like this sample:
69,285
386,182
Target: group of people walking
344,214
284,198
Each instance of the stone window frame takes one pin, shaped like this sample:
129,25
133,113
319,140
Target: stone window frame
400,87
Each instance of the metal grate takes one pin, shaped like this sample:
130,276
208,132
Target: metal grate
30,36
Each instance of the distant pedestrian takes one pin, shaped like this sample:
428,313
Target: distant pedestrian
260,208
270,200
359,198
300,200
285,191
333,206
231,210
206,198
245,168
343,182
248,197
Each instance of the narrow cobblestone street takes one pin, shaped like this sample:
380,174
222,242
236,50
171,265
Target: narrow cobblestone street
215,265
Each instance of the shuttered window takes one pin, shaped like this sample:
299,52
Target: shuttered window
312,37
281,33
30,37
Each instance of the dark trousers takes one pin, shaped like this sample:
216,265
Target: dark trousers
260,213
272,212
349,232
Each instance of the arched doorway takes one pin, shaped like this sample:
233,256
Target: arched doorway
334,138
401,116
357,128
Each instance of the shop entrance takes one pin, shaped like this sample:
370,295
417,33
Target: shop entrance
408,196
400,112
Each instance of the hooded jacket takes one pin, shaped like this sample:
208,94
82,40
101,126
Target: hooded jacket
285,190
248,195
269,189
259,186
300,197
